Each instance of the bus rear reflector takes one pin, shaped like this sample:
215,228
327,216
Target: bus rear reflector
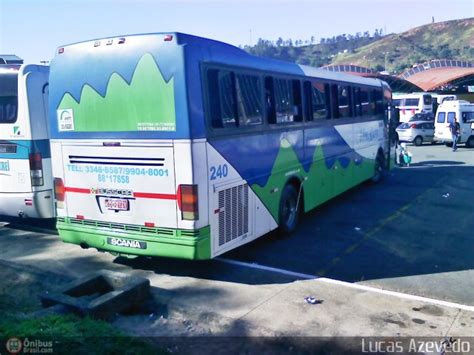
188,202
59,189
36,169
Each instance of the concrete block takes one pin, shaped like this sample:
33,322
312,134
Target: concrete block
101,295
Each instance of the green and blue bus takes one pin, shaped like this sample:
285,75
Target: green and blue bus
168,144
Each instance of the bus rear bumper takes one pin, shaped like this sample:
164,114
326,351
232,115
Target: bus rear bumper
38,204
137,240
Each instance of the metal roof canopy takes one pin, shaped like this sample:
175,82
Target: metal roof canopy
436,73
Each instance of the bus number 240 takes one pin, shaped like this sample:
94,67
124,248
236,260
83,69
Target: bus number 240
219,172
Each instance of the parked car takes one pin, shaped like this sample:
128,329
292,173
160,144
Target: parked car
422,116
416,132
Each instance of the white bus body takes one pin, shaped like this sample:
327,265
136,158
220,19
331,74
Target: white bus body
409,104
26,188
461,111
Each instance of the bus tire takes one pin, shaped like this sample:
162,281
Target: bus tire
470,142
418,141
378,168
289,211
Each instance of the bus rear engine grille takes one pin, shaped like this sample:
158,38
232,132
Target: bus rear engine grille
234,213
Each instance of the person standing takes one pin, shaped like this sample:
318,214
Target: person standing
455,131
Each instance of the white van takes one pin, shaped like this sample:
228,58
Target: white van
460,111
26,184
410,104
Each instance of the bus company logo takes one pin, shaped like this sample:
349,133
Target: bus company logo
119,242
65,120
13,345
111,192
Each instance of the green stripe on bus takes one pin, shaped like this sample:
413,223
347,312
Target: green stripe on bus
317,186
178,244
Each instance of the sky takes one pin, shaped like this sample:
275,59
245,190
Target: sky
33,29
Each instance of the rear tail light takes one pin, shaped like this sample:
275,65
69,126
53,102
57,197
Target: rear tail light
188,202
36,169
414,126
59,190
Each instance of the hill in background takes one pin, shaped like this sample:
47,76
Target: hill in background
394,52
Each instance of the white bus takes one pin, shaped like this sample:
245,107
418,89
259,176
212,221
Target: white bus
410,104
449,112
169,144
26,188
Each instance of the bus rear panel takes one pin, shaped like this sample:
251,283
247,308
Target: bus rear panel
25,161
123,167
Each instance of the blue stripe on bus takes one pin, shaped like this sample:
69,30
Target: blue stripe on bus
254,156
25,147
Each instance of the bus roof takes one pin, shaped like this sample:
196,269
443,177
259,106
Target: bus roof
242,58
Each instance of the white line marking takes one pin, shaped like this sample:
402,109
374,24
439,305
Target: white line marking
268,268
351,285
399,294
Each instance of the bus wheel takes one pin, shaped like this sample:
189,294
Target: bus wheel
470,142
378,169
289,211
418,141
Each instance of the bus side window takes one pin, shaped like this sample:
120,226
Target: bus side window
308,100
297,101
287,100
344,100
378,101
357,104
270,100
334,102
223,105
319,95
365,102
249,94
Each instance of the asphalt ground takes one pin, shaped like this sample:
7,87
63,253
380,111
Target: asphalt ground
410,233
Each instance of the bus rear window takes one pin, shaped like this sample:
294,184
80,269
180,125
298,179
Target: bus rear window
412,102
8,98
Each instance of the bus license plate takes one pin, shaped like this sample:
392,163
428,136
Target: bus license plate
116,204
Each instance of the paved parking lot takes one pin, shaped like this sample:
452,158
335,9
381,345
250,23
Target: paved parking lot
407,237
411,233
